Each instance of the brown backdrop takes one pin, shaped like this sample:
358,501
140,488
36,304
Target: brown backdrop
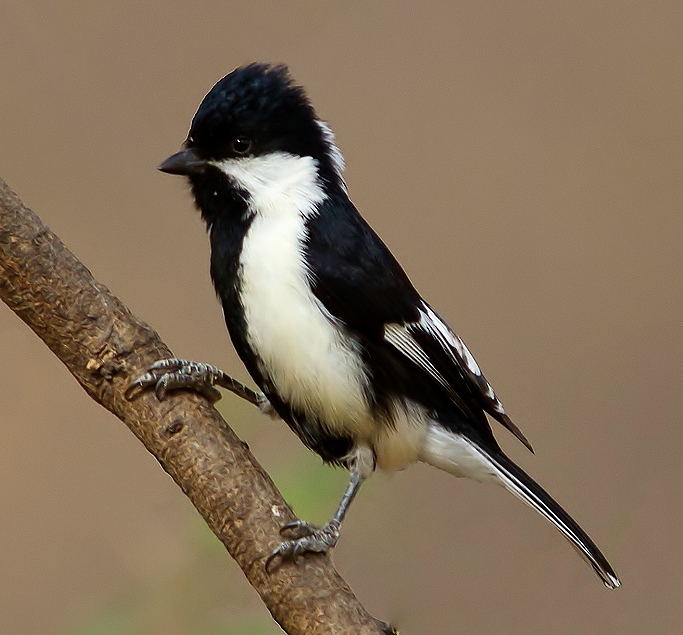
523,160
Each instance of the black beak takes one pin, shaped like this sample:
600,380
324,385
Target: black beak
186,162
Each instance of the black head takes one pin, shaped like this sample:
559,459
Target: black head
253,111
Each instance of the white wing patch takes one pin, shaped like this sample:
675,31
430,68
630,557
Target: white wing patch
433,324
405,338
401,337
431,321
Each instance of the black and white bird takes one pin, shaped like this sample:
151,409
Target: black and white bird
327,323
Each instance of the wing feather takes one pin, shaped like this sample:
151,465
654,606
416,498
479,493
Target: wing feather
431,344
360,283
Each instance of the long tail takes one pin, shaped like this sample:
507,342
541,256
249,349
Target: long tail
519,483
461,456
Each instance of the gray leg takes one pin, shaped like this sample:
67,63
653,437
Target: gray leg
307,537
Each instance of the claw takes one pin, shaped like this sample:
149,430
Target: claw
173,374
264,405
270,559
298,529
315,540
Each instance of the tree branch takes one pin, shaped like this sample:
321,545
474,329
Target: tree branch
104,346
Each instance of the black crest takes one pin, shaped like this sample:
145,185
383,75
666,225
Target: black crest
262,103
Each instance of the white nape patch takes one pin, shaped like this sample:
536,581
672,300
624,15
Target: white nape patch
335,153
457,455
312,364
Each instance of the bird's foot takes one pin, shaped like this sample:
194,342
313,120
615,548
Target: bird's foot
173,374
305,538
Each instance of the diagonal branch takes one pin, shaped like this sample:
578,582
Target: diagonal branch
104,346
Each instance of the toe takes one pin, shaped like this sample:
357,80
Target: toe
298,529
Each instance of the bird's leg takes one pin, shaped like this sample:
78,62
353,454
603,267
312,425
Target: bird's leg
308,537
173,374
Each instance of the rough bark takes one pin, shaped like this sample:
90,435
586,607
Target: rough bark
105,346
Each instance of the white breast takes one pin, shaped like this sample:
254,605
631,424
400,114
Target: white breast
312,364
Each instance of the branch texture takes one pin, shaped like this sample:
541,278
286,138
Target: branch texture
104,346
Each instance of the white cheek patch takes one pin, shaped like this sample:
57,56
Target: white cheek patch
278,183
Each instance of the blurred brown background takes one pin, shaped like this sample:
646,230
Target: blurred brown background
523,160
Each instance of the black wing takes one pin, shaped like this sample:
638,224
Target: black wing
360,283
433,346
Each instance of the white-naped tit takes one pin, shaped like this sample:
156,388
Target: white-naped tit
342,346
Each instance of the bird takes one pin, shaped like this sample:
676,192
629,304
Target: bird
340,343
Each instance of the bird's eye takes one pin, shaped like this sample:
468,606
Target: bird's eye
241,145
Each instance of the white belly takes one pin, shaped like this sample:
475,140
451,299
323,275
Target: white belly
312,364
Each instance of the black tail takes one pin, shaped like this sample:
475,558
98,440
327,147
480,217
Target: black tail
519,483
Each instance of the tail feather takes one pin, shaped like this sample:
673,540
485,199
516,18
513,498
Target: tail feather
460,455
519,483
